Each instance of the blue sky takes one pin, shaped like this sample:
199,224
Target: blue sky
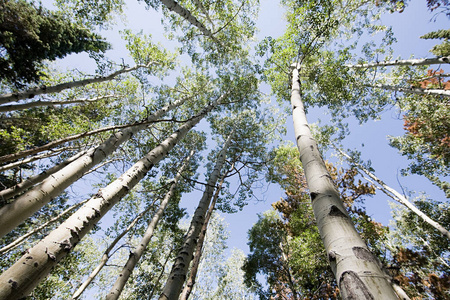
408,26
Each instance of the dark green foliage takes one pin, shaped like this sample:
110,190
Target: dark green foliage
30,34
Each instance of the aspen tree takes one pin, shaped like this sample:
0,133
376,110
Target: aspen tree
412,90
180,267
31,93
405,62
11,215
134,257
201,239
357,271
106,255
39,103
56,143
19,280
397,196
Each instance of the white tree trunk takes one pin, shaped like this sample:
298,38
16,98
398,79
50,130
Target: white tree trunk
187,15
21,278
398,197
53,144
177,276
21,239
405,62
201,239
31,93
29,182
13,214
39,103
106,254
358,273
134,257
412,90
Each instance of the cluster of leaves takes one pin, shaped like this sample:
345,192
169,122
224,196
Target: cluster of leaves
29,35
420,255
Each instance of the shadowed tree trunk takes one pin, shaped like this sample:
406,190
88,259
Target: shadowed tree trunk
201,239
134,257
180,267
21,278
13,214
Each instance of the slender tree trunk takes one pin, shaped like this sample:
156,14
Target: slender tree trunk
406,62
412,90
21,239
134,257
201,239
187,15
177,276
358,273
21,278
106,255
29,182
161,274
56,143
398,197
13,214
31,93
16,107
48,154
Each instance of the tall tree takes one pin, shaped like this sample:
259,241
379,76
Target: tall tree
58,243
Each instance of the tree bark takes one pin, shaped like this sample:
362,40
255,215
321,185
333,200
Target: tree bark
21,278
29,182
21,239
357,271
201,239
406,62
134,257
106,255
187,15
398,197
56,143
16,107
48,154
11,215
412,90
177,276
31,93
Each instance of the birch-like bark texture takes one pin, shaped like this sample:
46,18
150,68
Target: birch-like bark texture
201,239
405,62
21,239
29,182
21,278
412,90
13,214
39,103
187,15
56,143
50,153
392,193
134,257
106,255
31,93
357,271
177,276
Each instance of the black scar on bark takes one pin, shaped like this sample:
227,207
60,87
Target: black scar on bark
353,287
364,254
336,212
314,196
